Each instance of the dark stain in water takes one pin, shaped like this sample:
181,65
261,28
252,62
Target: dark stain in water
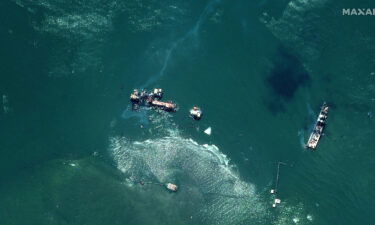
286,76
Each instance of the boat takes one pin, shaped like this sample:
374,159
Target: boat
196,113
152,99
157,93
135,97
167,106
318,128
171,187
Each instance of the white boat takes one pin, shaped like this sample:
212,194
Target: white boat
318,128
171,187
196,113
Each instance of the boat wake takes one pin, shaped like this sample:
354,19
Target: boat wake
301,135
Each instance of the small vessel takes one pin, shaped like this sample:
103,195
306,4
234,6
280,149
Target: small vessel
171,187
196,113
135,97
157,93
318,128
277,201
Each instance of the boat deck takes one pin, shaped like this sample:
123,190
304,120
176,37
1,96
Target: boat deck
318,128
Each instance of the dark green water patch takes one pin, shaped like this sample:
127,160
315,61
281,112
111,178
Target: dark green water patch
286,77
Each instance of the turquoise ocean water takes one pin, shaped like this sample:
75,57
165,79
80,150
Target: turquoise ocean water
72,151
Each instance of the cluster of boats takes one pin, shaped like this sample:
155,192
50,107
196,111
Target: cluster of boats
153,99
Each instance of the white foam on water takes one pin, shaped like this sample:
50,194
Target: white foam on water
292,214
301,135
201,170
82,26
206,177
83,19
294,28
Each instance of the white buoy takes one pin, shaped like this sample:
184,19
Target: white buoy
273,205
272,191
208,131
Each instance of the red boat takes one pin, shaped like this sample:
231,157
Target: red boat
168,106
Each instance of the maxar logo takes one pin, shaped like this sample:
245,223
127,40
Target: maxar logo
358,12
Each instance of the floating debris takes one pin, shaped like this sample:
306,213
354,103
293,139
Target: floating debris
208,131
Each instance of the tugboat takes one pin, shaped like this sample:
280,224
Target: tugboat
196,113
157,93
151,99
318,128
135,97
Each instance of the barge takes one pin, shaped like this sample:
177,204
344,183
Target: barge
166,106
152,99
318,128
